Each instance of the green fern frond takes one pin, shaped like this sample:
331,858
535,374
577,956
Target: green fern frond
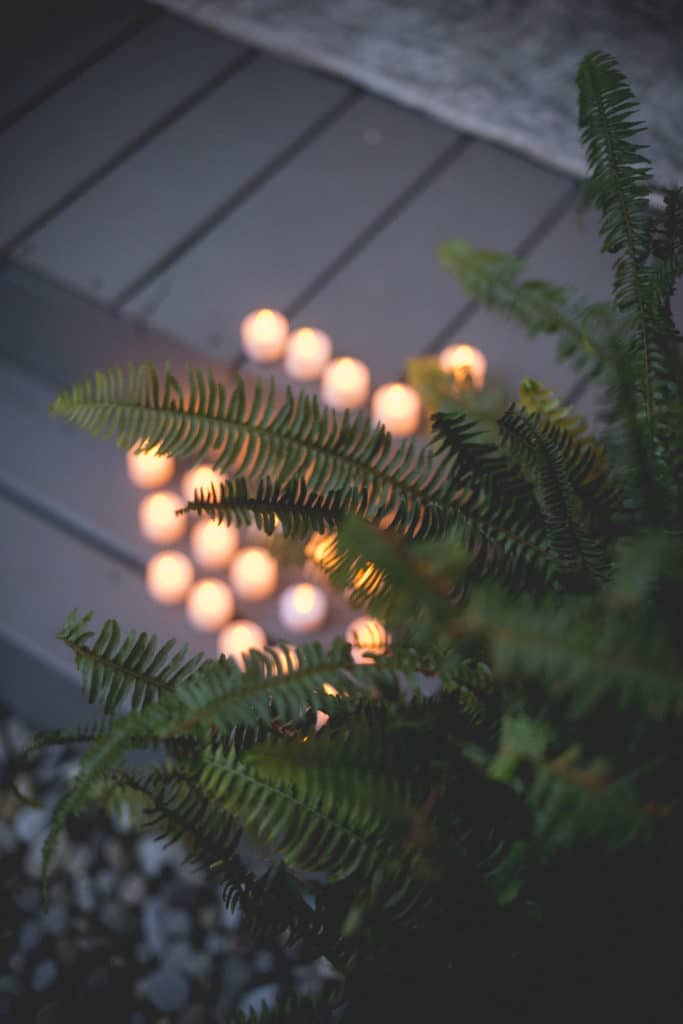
85,733
556,463
307,826
578,803
584,456
310,1009
582,650
111,668
534,397
622,185
493,279
300,439
501,523
297,510
276,683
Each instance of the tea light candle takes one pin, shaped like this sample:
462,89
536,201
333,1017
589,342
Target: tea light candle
398,407
345,383
158,520
240,636
201,478
366,635
264,335
213,544
169,576
302,607
209,605
463,361
307,354
149,469
253,574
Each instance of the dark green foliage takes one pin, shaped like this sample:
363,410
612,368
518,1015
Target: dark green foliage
492,278
299,511
113,670
514,838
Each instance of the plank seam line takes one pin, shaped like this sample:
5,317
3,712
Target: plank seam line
138,142
142,22
383,220
524,249
54,518
228,206
390,212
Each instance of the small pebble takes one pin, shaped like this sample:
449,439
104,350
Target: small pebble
236,974
105,881
182,956
29,822
27,898
229,919
178,922
152,856
114,917
133,889
44,974
80,861
207,916
166,989
24,783
56,918
30,935
16,734
8,840
84,894
66,951
115,854
153,928
16,962
263,961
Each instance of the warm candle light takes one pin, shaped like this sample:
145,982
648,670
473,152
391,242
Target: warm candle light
149,469
320,547
307,354
264,335
201,478
345,383
253,535
302,607
169,576
158,520
209,605
240,636
321,719
213,544
368,578
366,636
398,407
463,362
253,574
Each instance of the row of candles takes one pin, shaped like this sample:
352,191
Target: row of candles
345,383
251,573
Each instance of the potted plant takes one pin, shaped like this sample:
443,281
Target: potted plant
513,841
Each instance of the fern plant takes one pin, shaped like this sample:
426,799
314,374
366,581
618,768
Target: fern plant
515,837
